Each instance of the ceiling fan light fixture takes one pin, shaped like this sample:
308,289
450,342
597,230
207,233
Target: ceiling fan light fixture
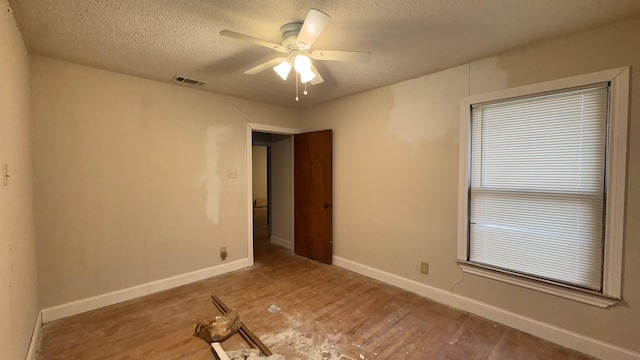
297,40
283,69
307,76
302,64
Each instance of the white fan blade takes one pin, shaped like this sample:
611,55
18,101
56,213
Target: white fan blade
318,78
338,55
265,66
251,39
311,28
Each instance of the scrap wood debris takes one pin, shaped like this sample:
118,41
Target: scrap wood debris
223,327
219,329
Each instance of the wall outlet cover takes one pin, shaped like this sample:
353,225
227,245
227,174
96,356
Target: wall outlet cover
424,268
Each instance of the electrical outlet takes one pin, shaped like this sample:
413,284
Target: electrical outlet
223,253
424,268
232,173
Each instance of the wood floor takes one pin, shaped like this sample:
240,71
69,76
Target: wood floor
321,307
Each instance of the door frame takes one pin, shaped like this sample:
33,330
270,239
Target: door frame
270,129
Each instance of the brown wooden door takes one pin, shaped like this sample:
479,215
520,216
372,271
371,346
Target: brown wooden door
312,191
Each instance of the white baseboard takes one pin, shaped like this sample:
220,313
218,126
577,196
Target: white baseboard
35,338
79,306
287,243
572,340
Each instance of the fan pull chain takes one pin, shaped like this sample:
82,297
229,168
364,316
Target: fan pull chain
297,98
305,89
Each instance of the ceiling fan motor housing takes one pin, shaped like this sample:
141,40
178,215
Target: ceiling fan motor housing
289,34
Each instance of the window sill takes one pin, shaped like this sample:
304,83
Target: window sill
583,296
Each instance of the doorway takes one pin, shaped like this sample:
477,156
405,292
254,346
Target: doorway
272,190
313,183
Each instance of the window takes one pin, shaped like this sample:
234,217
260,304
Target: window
542,185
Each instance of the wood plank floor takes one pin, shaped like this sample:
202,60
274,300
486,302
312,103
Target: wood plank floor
322,307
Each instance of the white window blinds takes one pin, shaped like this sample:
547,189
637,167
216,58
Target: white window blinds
537,185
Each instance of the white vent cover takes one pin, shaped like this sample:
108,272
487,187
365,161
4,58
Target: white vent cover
186,80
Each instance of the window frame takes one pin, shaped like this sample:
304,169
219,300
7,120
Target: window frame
616,159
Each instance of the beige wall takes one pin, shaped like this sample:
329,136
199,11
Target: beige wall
18,278
131,178
281,187
396,175
259,173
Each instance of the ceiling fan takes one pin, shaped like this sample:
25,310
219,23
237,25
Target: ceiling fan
297,39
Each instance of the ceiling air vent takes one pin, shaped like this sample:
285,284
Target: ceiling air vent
186,80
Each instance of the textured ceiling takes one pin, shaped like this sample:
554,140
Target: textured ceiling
157,39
